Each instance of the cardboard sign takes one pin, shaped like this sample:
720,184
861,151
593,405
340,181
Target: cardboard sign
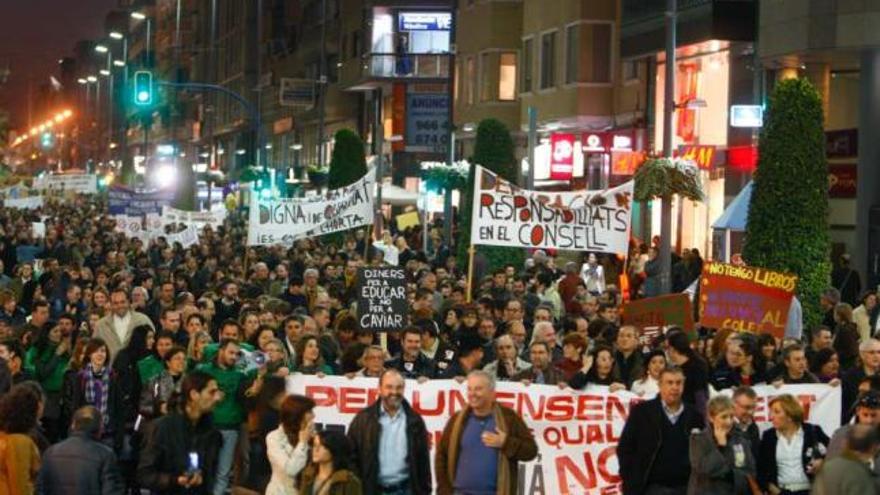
407,220
505,215
745,298
382,304
77,183
654,314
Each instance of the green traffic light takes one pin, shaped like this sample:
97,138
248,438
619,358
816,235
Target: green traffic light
143,87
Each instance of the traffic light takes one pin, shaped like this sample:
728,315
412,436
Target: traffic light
47,140
143,88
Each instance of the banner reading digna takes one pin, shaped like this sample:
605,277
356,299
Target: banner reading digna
505,215
283,221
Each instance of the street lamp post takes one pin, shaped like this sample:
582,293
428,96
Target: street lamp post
665,253
140,16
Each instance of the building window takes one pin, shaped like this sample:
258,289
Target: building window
469,83
630,70
507,77
548,60
527,64
485,77
588,53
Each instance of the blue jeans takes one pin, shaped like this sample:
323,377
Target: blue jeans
224,461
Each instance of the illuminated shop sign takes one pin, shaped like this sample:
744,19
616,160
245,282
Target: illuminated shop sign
424,21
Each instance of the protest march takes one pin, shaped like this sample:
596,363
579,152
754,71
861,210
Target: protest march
243,350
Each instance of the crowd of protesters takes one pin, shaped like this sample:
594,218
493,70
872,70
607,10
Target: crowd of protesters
141,367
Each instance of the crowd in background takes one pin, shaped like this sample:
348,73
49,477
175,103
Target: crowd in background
130,365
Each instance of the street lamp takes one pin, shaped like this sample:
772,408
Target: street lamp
82,80
116,35
104,72
119,63
92,79
101,48
140,16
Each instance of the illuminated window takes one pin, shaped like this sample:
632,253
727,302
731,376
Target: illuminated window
507,77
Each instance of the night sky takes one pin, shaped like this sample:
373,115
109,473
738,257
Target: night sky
34,34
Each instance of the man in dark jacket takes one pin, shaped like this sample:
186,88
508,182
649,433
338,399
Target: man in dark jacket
390,443
181,454
653,447
80,464
411,363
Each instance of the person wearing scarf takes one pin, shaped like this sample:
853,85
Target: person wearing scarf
96,386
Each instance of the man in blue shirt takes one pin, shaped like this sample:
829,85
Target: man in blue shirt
482,444
389,432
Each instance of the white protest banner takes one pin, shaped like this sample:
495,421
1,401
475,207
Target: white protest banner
576,431
821,404
78,183
283,221
198,218
38,229
187,237
12,191
505,215
28,203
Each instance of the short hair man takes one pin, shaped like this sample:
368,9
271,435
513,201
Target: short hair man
411,363
794,360
390,442
483,438
745,401
848,474
654,444
81,463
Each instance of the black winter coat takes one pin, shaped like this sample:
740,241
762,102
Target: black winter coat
79,465
73,397
166,454
364,434
641,438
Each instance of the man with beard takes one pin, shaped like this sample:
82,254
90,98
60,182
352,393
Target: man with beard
389,439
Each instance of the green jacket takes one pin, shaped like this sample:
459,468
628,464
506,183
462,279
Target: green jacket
149,367
48,367
210,351
230,412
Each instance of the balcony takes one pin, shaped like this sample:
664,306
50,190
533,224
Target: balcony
643,23
373,69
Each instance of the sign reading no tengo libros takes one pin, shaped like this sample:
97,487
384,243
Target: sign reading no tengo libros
505,215
427,122
285,220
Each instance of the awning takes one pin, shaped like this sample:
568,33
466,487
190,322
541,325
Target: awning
737,212
398,196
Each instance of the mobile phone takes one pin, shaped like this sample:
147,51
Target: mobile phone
193,464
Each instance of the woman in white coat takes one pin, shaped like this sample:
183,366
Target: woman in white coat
288,446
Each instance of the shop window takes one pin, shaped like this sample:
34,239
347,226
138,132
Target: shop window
527,64
588,53
507,77
548,60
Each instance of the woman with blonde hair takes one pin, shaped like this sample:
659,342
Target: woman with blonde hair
721,458
792,451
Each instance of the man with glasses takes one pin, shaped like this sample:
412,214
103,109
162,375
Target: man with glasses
744,402
869,351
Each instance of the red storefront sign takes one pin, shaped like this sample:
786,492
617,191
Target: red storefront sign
703,156
743,158
561,156
626,162
842,180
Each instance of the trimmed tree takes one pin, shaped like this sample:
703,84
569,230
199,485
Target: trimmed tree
348,163
787,227
493,150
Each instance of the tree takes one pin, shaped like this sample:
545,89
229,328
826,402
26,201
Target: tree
787,228
348,163
493,150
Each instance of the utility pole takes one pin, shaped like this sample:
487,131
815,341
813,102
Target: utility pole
322,85
665,254
533,142
378,146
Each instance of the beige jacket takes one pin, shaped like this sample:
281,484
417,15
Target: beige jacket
107,333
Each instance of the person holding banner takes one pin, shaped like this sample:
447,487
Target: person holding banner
482,445
390,443
411,362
